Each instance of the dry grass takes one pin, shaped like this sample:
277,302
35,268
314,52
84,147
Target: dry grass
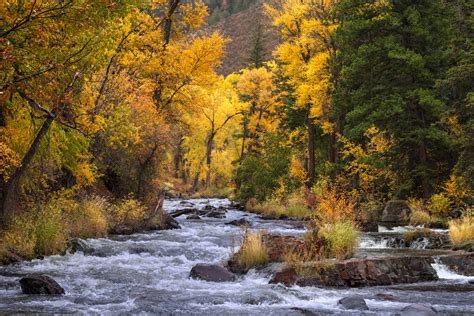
279,209
253,252
341,238
128,211
420,217
461,230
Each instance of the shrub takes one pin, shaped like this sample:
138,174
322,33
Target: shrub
20,238
88,220
253,252
419,217
439,204
50,232
341,238
462,230
128,211
333,207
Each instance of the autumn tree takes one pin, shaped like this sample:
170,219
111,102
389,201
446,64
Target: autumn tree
306,28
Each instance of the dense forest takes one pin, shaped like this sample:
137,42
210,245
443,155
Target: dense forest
106,104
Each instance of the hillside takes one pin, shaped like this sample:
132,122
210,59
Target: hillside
246,29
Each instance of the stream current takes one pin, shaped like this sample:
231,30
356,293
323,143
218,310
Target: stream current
148,273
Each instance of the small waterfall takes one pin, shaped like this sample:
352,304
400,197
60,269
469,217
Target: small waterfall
445,273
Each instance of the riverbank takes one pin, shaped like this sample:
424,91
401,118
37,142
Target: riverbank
149,273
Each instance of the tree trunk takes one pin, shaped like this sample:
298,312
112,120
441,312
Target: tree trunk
143,167
209,144
311,154
10,189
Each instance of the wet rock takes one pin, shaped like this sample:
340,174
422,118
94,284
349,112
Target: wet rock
471,281
385,297
169,222
462,264
209,207
372,227
10,257
287,277
419,310
77,244
369,272
305,312
184,212
122,230
211,272
353,302
239,222
396,212
193,216
40,284
467,246
215,214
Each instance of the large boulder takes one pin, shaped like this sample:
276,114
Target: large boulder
419,310
211,272
40,284
353,302
396,212
363,272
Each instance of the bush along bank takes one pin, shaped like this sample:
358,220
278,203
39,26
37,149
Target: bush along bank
47,229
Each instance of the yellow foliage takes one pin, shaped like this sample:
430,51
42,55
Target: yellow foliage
127,211
439,204
462,230
9,160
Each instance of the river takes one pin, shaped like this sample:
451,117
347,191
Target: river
148,273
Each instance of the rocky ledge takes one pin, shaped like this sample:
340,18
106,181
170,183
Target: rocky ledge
360,272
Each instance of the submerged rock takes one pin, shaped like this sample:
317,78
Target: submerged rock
419,310
40,284
215,214
239,222
211,272
396,212
353,302
76,244
193,216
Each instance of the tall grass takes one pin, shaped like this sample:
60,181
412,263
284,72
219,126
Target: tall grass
341,238
253,252
461,230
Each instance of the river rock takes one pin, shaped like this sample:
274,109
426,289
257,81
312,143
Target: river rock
40,284
419,310
353,302
239,222
193,216
169,222
215,214
363,272
462,264
76,244
287,277
211,272
396,212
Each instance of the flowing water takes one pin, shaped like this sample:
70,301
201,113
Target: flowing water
149,274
